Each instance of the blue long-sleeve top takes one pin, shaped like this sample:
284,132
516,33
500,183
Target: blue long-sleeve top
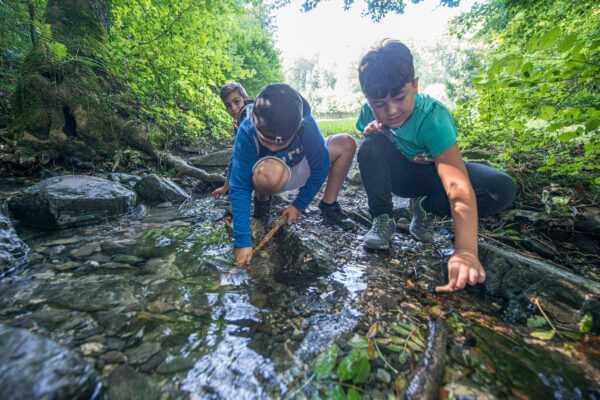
245,155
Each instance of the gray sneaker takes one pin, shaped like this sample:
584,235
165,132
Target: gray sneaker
381,232
421,226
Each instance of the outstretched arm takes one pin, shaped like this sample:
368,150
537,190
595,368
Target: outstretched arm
464,266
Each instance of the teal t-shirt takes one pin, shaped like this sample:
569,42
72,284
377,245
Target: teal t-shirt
426,133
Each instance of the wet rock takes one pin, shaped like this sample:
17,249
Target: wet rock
90,293
124,179
85,251
566,297
155,189
127,259
173,364
13,252
402,208
125,246
141,354
115,357
32,367
217,159
355,178
588,223
125,383
71,200
153,362
301,255
92,349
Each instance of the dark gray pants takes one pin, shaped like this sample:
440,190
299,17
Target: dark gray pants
385,170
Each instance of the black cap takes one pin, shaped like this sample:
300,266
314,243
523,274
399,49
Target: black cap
278,111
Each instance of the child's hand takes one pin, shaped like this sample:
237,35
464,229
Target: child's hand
464,267
242,255
373,127
290,214
222,191
235,125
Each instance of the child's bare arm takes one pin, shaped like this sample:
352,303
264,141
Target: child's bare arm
222,191
464,265
373,127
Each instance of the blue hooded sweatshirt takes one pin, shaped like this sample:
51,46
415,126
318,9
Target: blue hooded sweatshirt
245,155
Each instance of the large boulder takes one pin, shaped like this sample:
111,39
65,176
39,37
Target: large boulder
217,159
71,200
13,252
519,280
155,189
32,367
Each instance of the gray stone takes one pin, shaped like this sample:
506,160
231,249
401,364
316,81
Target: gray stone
13,252
217,159
564,296
155,190
32,367
141,354
125,383
125,246
127,259
125,179
71,200
588,223
90,293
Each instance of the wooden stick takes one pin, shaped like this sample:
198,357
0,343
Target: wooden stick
269,235
262,243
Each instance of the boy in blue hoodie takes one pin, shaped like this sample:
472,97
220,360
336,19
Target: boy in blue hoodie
279,147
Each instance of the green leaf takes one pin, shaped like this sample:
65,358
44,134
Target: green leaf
542,335
586,323
592,124
527,70
358,342
538,321
325,363
353,394
544,41
567,42
567,135
571,334
595,44
511,63
354,366
337,394
547,113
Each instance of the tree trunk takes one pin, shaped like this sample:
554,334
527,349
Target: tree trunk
66,105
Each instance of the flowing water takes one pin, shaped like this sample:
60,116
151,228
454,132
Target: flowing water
140,291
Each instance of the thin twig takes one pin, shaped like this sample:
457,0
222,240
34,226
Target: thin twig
537,303
383,358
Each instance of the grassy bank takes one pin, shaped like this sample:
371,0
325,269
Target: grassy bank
334,126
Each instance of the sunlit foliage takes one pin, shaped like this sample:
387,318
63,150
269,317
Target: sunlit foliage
537,92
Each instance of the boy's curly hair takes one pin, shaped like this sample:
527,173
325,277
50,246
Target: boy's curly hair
232,87
386,69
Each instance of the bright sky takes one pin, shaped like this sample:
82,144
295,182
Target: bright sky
341,37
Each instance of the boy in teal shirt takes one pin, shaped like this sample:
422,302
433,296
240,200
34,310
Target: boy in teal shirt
410,149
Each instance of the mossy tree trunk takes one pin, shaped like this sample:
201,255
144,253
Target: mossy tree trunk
65,105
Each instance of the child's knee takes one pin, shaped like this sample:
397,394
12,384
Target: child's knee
371,148
341,144
270,176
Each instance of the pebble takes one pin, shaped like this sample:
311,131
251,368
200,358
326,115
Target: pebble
383,375
92,349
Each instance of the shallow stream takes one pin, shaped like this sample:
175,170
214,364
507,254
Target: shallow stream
138,296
